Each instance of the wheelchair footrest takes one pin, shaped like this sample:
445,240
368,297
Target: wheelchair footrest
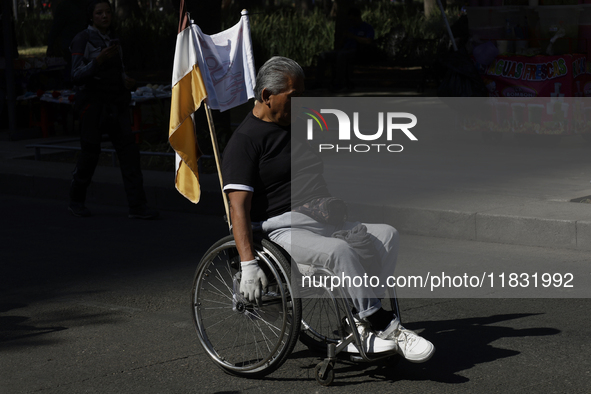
356,358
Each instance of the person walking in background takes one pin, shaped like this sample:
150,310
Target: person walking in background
102,100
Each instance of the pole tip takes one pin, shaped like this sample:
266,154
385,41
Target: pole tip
244,12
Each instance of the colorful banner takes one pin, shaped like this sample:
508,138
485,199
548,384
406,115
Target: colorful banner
536,95
538,76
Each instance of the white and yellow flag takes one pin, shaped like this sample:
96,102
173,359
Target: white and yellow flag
218,68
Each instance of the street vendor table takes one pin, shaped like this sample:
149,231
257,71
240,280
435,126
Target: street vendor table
45,119
32,73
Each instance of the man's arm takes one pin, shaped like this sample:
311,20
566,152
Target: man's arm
240,202
253,280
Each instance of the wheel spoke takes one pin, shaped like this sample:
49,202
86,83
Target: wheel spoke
214,301
267,323
221,321
221,279
212,315
219,292
264,336
218,307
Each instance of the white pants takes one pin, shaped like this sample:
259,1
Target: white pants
310,243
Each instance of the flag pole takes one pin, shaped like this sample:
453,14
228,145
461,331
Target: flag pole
216,153
216,150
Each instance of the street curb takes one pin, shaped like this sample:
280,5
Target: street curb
453,224
479,226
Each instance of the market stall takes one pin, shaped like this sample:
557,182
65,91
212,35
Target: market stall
44,104
537,76
533,59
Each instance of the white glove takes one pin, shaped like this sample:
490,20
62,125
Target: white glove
252,280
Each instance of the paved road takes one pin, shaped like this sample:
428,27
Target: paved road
100,305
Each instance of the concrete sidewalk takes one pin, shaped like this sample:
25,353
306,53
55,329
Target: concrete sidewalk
453,186
458,186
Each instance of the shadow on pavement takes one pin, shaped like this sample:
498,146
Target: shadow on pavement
464,343
460,345
20,329
49,255
46,246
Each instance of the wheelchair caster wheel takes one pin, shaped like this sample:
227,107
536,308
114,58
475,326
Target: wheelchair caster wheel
327,377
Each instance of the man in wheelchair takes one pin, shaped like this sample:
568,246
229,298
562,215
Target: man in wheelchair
296,211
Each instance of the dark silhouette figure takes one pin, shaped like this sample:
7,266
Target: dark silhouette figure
103,101
68,20
356,42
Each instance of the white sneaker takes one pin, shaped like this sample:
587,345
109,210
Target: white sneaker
370,341
391,331
412,347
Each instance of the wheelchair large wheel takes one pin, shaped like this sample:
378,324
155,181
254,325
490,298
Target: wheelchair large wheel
241,337
322,315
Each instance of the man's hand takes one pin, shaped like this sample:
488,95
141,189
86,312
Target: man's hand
252,282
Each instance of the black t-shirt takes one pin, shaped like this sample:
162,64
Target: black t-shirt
258,158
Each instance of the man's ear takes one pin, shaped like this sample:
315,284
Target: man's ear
265,94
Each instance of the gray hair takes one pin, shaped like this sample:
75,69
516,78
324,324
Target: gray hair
274,74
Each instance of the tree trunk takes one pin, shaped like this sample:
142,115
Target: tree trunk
342,9
128,9
8,52
430,5
326,7
304,6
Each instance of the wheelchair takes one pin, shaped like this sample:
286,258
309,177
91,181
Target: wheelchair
248,340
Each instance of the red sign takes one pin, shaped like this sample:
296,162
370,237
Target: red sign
538,76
